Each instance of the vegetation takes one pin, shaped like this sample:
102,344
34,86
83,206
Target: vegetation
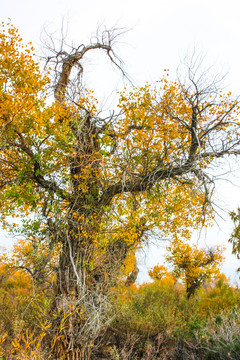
88,191
194,266
157,321
235,236
150,321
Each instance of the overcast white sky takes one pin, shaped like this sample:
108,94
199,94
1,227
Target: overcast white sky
162,33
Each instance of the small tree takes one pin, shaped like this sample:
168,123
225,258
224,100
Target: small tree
158,272
96,187
192,265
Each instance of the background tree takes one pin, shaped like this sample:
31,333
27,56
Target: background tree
95,187
158,272
235,236
192,265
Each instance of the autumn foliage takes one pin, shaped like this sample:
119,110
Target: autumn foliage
194,266
157,321
88,191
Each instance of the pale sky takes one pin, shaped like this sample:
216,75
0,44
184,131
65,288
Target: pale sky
161,33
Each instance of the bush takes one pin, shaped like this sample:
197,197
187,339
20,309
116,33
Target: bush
157,321
22,307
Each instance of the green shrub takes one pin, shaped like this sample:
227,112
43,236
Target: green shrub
157,321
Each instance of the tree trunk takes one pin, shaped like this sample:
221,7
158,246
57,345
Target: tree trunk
79,306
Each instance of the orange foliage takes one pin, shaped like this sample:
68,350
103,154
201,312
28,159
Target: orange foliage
158,272
192,265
